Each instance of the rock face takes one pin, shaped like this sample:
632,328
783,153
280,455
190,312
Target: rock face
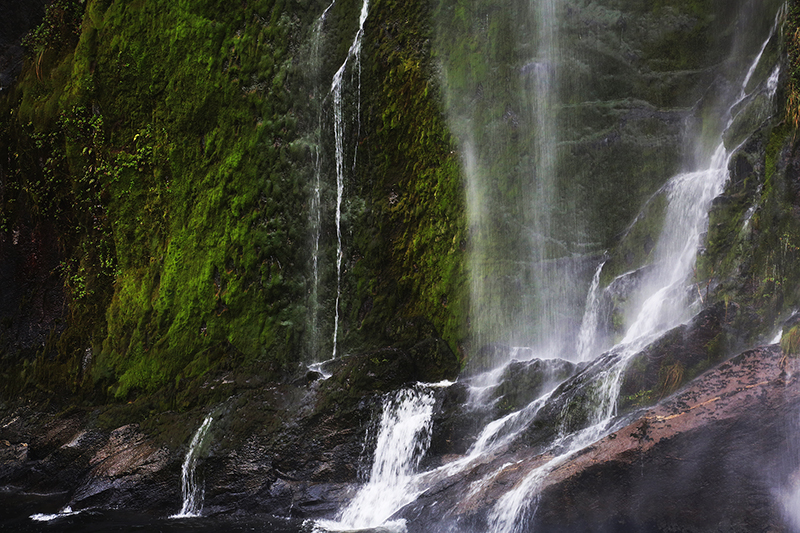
715,455
287,449
16,18
32,293
718,453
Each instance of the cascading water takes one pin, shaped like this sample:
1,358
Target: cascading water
403,437
664,298
191,490
664,304
587,335
354,54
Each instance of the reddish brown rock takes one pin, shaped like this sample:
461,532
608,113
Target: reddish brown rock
716,456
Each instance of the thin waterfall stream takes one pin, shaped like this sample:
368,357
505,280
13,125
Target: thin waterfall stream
337,127
315,213
191,490
354,54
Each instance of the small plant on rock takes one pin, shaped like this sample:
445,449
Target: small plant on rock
790,342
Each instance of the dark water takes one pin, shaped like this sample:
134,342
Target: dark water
17,508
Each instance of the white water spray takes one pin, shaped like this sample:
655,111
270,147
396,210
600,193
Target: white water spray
354,54
404,435
191,490
664,303
63,513
591,318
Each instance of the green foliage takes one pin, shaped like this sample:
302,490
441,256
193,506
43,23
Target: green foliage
792,44
171,177
60,27
172,146
790,342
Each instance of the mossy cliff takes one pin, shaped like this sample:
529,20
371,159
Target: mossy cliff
167,153
175,244
160,163
751,258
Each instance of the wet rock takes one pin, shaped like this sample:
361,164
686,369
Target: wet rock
678,356
432,357
523,381
129,470
12,460
455,424
716,455
32,293
417,354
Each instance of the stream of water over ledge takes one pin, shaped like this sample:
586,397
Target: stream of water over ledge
664,297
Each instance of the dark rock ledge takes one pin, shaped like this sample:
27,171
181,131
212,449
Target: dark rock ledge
716,456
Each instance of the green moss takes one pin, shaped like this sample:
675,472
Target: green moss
179,142
153,120
790,342
409,235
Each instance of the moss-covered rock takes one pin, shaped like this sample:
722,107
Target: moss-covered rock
173,149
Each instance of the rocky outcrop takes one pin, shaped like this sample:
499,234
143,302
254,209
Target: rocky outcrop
125,466
679,355
293,449
716,454
719,451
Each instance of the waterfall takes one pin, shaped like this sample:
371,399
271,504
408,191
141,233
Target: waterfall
354,54
527,242
404,435
587,335
549,280
663,305
315,213
191,490
664,298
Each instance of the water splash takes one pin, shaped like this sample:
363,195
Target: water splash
404,435
191,490
63,513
